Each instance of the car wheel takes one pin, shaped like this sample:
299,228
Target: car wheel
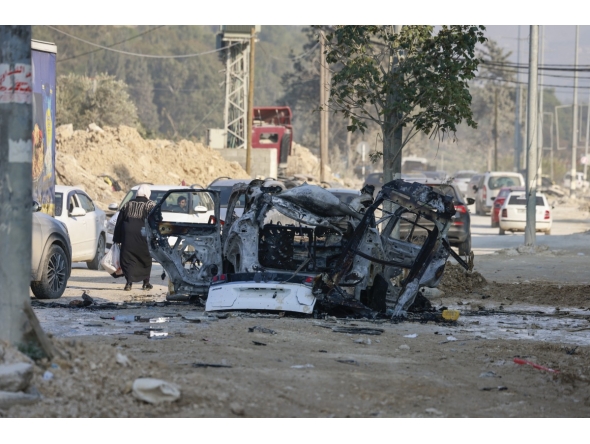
502,232
55,275
94,264
465,246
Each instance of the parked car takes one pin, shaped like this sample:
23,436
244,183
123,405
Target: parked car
473,182
489,186
499,201
459,233
375,179
462,178
513,213
157,191
581,184
224,185
86,224
51,258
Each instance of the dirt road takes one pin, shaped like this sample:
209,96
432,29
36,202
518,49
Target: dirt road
534,308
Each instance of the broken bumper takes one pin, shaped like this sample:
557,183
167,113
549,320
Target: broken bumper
248,291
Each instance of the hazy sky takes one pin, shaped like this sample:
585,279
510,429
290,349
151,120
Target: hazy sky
559,49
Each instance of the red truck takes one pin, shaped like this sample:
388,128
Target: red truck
272,129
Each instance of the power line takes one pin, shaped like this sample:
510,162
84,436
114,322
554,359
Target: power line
142,55
526,83
110,46
289,59
525,67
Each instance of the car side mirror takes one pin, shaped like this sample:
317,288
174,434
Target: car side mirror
470,201
36,207
200,209
475,188
113,207
78,212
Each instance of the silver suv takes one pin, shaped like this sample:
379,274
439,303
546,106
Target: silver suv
51,256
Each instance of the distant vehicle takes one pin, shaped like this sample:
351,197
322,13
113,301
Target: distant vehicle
513,213
51,256
459,233
436,175
581,184
375,179
224,185
499,201
489,186
272,128
414,163
415,176
461,179
472,185
157,191
85,222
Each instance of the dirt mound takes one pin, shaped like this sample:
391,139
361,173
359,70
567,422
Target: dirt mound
84,156
456,278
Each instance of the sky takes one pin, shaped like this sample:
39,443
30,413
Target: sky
559,48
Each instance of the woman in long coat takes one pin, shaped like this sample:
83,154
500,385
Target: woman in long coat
136,261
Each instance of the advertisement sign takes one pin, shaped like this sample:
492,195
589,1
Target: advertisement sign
43,67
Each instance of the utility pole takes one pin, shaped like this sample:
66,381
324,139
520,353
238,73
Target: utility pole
541,114
586,142
496,129
323,112
250,102
16,156
517,143
574,169
531,140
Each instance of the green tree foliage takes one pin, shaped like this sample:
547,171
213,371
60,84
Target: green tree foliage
415,79
175,97
103,100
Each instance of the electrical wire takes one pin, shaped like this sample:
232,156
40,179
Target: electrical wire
184,56
110,46
526,83
300,56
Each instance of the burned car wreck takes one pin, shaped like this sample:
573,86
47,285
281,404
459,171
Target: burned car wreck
302,248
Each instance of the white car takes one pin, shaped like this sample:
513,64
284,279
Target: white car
489,186
85,223
197,212
513,213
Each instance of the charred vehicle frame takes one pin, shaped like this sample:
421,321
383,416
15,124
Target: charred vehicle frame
292,248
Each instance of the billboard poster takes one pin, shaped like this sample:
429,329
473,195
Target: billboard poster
43,67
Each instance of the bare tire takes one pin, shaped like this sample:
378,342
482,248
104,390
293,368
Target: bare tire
465,246
94,264
55,275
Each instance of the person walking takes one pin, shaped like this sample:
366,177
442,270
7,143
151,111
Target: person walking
136,261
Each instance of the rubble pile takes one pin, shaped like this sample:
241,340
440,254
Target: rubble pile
542,250
302,162
92,380
83,158
456,278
